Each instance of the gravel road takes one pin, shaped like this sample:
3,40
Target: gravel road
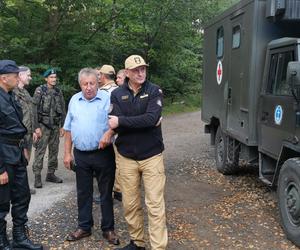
205,210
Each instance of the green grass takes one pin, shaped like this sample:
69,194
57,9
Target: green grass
184,104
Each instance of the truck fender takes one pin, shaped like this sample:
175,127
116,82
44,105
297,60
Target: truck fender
212,128
288,150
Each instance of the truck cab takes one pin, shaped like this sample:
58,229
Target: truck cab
278,133
251,97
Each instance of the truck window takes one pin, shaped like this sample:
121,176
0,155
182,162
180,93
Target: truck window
277,76
236,37
220,43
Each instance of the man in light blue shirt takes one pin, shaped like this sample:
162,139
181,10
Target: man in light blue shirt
87,120
86,127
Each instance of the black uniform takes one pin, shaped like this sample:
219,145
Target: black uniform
138,137
12,160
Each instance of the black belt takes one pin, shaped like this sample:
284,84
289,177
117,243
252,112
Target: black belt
88,151
12,141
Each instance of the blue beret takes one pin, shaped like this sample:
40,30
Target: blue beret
9,66
49,72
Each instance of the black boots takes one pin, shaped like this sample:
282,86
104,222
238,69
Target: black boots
51,177
21,240
4,243
131,246
38,181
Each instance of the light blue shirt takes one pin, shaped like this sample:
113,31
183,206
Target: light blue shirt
87,120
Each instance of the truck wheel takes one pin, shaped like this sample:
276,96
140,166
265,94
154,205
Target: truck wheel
223,162
289,199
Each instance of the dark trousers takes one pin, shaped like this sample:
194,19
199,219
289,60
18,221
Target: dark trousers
102,163
16,193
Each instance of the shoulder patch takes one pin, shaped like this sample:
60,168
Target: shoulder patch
158,102
111,107
160,91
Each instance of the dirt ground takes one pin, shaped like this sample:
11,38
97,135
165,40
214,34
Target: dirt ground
205,210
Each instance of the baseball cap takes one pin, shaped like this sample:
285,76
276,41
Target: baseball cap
49,72
9,66
107,69
134,61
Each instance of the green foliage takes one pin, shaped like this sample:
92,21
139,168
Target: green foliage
72,34
187,103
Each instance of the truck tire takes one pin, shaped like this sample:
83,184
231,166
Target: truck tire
223,162
289,199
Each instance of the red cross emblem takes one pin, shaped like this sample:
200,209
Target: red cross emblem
219,72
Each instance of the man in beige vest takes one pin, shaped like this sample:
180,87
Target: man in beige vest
107,83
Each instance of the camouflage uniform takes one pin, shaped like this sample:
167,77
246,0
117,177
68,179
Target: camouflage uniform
29,115
51,112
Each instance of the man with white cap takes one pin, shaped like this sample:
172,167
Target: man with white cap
136,117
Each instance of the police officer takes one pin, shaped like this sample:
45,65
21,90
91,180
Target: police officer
29,112
14,188
136,117
51,111
107,76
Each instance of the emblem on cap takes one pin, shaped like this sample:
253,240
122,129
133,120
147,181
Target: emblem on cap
49,72
137,60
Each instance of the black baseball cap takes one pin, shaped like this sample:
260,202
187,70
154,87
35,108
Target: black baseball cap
9,66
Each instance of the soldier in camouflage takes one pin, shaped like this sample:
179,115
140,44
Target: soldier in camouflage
51,112
29,113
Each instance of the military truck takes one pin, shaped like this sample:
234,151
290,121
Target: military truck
251,96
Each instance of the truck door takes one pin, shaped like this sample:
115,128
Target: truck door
236,76
277,113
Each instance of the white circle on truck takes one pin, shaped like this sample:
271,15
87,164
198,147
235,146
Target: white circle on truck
219,72
278,113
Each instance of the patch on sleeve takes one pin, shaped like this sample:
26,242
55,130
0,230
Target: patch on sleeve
158,102
160,91
111,107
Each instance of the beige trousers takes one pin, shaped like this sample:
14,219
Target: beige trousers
151,171
117,186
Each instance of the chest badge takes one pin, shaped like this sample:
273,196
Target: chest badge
144,96
125,97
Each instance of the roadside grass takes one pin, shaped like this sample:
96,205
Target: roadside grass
183,104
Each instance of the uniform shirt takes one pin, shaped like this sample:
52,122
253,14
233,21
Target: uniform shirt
11,126
109,87
29,115
139,136
50,106
87,120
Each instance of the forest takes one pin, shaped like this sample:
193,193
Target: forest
71,34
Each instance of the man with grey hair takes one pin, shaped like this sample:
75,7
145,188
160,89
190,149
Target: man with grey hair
29,112
86,127
121,75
